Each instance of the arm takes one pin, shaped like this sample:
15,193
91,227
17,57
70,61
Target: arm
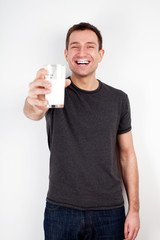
128,163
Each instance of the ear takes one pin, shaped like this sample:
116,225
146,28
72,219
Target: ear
66,54
101,54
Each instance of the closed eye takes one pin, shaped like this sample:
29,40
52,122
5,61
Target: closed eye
74,47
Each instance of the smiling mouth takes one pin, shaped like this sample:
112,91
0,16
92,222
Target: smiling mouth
82,62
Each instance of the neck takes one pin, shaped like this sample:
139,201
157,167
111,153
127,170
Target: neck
88,83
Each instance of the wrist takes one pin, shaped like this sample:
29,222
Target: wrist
34,112
134,209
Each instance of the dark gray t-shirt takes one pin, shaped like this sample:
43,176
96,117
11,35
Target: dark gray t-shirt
82,140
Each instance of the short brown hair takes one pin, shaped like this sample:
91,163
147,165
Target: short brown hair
84,26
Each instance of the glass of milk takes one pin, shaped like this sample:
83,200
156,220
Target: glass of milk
56,75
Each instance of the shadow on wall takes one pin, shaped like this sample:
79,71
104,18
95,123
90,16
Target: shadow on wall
122,184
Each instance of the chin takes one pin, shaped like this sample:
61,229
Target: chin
81,74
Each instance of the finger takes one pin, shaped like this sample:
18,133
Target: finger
37,102
41,73
40,83
130,235
135,234
126,231
38,91
67,82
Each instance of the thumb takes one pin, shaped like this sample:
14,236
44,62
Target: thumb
126,230
67,82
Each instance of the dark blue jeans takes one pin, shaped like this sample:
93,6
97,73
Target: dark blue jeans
63,223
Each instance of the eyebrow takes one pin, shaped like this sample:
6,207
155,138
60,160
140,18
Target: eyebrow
79,43
74,43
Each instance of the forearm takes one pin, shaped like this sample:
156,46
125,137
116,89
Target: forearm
33,112
131,180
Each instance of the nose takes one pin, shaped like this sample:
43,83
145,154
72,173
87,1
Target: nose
82,51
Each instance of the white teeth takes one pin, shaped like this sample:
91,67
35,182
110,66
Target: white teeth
82,62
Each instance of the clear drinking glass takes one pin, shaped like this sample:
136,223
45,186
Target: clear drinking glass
56,75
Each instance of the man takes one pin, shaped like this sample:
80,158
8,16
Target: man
84,199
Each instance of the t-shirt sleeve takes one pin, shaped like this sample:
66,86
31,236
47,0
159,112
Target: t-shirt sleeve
125,118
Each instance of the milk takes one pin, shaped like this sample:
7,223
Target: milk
56,75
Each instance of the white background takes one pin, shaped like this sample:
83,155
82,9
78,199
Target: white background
32,34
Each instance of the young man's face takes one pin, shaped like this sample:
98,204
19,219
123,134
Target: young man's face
83,54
